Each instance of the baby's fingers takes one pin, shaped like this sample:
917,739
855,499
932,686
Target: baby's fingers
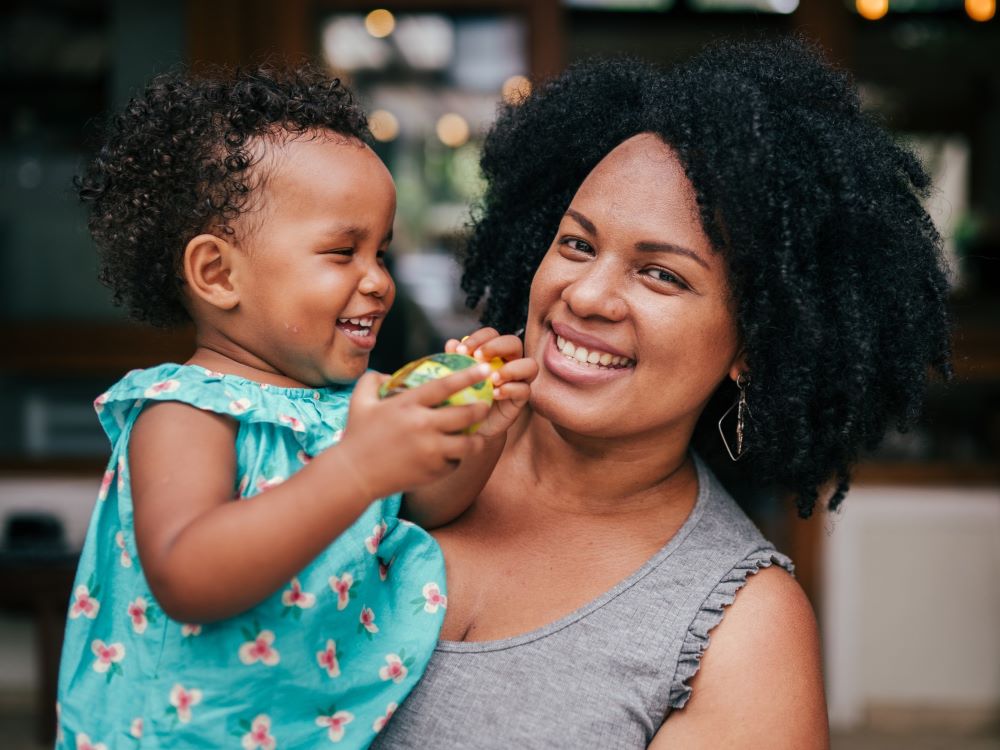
504,347
476,339
452,419
522,370
517,393
437,391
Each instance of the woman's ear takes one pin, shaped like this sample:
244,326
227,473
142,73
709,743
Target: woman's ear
739,366
208,271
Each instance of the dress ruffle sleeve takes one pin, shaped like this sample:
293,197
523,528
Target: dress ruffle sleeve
710,614
242,400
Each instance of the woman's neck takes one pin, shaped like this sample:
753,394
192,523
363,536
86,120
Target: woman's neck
581,475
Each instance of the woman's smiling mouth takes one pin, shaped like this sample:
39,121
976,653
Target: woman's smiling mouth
573,361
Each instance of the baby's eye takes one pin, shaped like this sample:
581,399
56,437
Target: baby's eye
346,252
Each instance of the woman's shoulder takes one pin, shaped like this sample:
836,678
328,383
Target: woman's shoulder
764,658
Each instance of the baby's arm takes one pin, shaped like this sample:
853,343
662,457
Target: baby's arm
207,557
436,504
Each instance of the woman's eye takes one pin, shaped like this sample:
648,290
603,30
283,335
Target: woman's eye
663,275
577,244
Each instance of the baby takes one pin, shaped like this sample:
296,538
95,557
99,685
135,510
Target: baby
246,579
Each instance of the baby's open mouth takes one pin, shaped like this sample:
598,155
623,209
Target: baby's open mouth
356,326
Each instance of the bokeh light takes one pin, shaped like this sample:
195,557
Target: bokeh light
384,125
872,9
380,23
453,130
515,89
981,10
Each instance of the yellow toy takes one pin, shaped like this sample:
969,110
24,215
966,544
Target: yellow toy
437,366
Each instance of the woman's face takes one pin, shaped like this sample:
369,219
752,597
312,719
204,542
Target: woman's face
629,316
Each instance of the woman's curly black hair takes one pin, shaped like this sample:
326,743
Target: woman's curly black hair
835,268
178,161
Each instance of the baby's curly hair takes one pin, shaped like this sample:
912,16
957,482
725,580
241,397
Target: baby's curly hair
835,268
178,161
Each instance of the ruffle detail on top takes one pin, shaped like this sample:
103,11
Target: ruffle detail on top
313,415
710,614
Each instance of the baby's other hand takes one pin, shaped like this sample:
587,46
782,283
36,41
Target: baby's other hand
511,383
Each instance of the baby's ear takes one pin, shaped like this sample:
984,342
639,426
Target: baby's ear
208,271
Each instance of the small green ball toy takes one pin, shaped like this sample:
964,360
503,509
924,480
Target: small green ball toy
437,366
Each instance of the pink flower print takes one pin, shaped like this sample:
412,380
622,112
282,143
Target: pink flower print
394,669
381,721
189,630
121,473
303,457
84,604
259,648
336,722
244,483
240,405
182,700
106,480
383,569
135,728
259,735
372,542
214,374
342,588
433,598
100,401
125,558
336,436
108,657
367,621
137,614
297,598
294,422
266,484
163,386
328,659
83,742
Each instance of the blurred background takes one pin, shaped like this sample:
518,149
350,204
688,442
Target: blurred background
906,580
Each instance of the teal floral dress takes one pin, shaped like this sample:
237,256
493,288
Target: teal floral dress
323,661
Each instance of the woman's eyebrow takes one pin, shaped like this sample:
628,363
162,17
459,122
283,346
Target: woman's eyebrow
582,220
645,246
667,247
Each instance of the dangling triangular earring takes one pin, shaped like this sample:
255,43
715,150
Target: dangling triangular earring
741,414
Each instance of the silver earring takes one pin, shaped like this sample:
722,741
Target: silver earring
741,414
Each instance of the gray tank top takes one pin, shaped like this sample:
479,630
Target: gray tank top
606,675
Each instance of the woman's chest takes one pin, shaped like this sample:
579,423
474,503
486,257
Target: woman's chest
500,587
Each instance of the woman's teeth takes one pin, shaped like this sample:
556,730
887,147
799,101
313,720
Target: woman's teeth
591,357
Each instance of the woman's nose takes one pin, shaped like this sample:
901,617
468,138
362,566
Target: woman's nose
596,292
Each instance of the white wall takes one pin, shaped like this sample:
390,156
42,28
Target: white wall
911,604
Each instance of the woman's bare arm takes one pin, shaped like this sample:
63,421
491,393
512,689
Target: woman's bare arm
760,684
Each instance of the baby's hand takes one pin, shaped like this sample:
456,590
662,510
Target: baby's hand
510,383
398,443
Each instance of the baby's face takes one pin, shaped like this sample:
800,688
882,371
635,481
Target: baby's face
314,289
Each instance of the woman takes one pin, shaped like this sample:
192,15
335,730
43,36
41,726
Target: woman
730,240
